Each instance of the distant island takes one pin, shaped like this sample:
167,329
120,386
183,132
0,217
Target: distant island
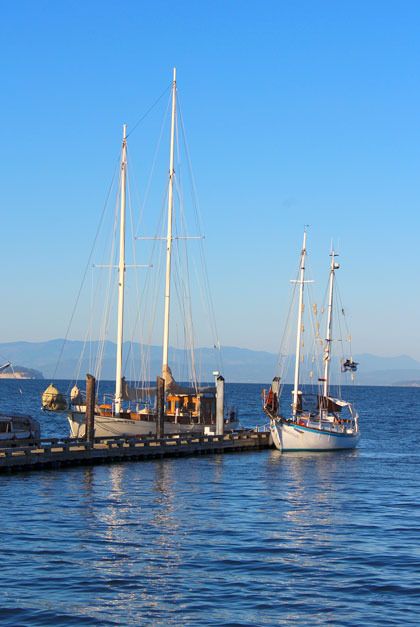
408,384
20,372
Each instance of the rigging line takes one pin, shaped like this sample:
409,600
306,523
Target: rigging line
85,271
343,313
287,328
184,301
136,282
149,293
338,306
187,284
90,328
148,287
204,303
190,323
108,299
190,168
315,345
179,290
131,352
88,335
153,287
142,295
153,166
144,116
136,195
199,221
79,364
284,356
339,386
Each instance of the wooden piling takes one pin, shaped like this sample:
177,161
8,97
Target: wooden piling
160,407
220,405
90,408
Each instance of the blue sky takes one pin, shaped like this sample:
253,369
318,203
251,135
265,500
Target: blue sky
296,112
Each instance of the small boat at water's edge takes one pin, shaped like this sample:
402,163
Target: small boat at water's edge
17,429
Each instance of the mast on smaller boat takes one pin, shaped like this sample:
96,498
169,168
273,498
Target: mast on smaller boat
169,236
327,350
121,277
301,282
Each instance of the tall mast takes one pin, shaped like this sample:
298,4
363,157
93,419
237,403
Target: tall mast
301,282
169,234
121,276
327,351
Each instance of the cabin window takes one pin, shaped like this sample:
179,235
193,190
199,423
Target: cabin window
4,427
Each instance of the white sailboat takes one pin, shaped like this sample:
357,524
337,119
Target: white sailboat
187,409
333,423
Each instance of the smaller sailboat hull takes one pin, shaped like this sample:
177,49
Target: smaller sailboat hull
289,436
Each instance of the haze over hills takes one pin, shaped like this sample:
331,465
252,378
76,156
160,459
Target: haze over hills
239,365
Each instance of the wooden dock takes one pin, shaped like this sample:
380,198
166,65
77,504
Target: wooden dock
56,453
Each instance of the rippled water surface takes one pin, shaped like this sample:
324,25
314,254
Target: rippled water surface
239,539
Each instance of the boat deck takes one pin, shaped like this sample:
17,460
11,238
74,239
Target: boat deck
62,452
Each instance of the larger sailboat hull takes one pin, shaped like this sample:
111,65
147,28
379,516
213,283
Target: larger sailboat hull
110,426
294,437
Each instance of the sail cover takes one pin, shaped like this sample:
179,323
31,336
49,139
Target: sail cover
130,393
53,400
171,387
331,404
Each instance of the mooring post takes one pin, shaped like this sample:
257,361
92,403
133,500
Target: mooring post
90,408
220,405
160,407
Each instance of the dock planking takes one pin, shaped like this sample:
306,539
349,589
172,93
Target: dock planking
64,452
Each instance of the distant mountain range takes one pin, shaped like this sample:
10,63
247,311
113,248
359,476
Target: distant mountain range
239,365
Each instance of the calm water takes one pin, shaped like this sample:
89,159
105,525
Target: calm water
241,539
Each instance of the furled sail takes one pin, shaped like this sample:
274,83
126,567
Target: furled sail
130,393
172,387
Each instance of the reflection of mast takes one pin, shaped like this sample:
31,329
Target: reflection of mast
327,351
301,282
121,278
169,235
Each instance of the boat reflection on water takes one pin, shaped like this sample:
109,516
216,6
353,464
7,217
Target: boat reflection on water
310,486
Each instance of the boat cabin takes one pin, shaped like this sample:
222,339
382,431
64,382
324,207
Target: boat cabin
199,406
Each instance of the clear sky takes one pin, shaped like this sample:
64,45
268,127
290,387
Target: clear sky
297,112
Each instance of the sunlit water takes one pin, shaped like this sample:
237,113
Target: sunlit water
238,539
